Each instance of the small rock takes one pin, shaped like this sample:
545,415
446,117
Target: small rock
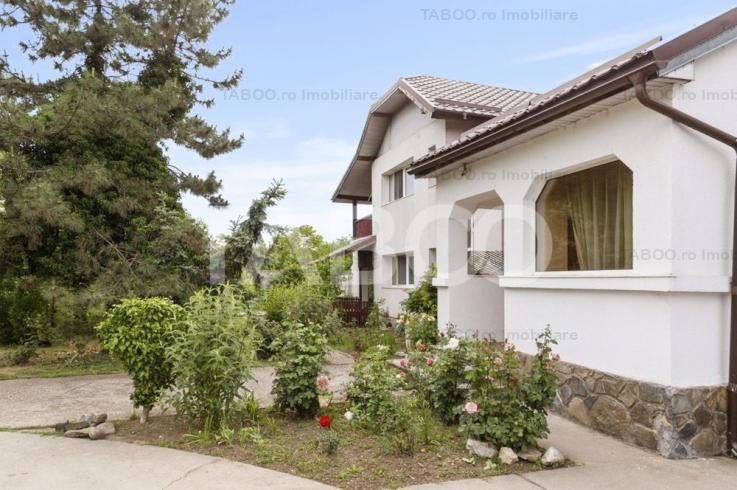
83,424
78,433
552,456
507,456
481,449
102,431
96,419
529,454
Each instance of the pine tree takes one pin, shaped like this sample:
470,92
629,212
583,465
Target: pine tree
91,205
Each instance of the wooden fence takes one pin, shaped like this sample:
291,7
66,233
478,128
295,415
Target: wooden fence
354,311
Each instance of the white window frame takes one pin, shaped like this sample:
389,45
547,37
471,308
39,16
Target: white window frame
406,269
407,184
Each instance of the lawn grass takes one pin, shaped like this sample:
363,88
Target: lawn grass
355,340
59,360
364,459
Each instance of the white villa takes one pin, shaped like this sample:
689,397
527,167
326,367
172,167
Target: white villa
603,208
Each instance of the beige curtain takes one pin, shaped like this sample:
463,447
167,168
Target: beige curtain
600,207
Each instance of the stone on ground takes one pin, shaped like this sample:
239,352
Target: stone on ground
530,454
507,456
101,431
93,419
481,449
78,433
552,456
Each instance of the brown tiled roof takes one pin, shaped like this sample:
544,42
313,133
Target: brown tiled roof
655,57
466,97
513,113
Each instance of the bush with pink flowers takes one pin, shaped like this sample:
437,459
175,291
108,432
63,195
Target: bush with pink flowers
507,405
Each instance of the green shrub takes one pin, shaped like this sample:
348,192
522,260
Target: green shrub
23,354
23,309
302,351
268,331
372,393
136,332
328,442
378,317
289,305
359,339
420,328
212,356
303,303
443,388
506,406
424,298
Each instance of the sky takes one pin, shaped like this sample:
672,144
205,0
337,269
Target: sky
350,52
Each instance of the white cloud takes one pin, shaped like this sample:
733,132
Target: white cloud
311,170
607,43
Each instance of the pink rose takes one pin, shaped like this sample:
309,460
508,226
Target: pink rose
430,361
472,408
323,383
404,363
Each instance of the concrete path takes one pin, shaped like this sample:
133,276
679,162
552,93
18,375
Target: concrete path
45,402
606,463
33,462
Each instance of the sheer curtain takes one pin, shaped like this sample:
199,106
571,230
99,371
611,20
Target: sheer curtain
600,207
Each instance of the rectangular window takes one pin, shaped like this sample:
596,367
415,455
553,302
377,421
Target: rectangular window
397,185
585,220
400,184
403,270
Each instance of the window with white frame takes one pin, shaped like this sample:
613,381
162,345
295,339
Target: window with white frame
400,184
403,270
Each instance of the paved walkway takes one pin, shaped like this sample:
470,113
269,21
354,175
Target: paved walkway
45,402
33,462
606,463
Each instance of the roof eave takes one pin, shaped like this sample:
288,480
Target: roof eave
668,56
571,102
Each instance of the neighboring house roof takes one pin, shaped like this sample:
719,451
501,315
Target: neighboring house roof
439,98
655,59
358,244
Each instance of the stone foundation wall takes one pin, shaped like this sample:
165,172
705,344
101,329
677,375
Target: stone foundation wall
676,422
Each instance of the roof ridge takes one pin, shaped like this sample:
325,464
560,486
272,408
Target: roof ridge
409,79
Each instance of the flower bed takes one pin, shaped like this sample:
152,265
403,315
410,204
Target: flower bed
363,460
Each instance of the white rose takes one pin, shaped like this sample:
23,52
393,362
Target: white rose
348,415
452,344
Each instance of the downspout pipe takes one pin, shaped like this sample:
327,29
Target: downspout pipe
639,81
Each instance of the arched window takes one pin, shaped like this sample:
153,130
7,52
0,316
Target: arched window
584,220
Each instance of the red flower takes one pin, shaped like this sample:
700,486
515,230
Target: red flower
325,421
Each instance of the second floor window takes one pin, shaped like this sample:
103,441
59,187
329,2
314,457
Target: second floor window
401,184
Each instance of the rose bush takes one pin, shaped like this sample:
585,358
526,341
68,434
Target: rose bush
421,329
506,405
371,393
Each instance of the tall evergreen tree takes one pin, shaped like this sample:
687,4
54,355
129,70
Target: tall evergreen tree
91,203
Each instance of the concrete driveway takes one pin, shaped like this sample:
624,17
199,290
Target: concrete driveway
607,463
28,403
32,462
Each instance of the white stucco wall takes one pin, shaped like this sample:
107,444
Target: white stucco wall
666,320
405,225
